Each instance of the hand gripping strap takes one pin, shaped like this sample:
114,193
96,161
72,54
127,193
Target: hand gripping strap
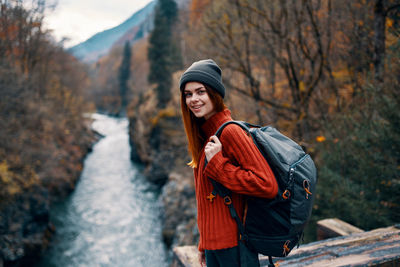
244,125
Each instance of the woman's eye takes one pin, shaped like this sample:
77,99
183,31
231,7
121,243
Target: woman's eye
188,95
202,92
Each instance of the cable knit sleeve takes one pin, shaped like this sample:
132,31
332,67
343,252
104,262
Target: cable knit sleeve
240,166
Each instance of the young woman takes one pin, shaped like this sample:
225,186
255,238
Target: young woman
233,160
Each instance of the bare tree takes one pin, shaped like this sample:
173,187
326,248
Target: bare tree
381,11
266,42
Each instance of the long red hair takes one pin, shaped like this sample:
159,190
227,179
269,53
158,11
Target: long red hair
196,138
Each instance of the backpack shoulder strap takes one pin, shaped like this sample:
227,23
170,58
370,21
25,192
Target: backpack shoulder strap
221,190
244,125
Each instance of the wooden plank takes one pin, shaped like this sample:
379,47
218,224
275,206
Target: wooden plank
380,247
334,227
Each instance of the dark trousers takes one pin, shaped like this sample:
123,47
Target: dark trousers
239,256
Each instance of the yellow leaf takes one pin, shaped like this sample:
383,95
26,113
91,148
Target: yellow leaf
302,87
5,175
227,19
164,113
7,180
389,22
302,116
320,139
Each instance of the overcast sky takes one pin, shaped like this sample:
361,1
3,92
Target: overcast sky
78,20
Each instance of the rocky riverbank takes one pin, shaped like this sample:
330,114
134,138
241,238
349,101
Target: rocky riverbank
25,229
158,141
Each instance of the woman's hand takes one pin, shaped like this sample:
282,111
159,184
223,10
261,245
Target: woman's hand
202,259
212,147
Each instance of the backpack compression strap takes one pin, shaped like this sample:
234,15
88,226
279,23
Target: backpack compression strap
224,192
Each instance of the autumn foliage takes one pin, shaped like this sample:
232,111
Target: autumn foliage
42,133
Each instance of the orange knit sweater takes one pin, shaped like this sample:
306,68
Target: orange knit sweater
241,168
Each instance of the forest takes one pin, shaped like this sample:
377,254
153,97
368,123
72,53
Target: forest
41,102
325,73
43,134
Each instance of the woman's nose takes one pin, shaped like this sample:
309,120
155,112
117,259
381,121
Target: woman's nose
194,98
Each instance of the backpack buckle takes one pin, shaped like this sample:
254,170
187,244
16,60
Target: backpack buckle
306,186
243,237
286,248
227,200
286,194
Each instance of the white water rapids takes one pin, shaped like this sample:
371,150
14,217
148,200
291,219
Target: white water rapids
113,216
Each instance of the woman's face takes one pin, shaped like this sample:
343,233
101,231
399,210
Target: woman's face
198,101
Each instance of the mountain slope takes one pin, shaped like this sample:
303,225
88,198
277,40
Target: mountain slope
100,43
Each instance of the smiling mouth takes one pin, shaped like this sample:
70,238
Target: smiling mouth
197,108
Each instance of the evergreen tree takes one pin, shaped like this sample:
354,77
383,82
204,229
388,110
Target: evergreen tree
359,162
163,52
124,74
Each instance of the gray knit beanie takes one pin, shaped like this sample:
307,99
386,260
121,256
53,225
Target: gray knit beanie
204,71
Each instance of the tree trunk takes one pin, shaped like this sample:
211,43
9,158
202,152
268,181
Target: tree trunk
379,40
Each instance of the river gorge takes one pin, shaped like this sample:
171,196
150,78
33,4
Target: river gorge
113,217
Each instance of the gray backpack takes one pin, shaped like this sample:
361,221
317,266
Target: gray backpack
273,227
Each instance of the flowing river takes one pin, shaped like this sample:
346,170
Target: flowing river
113,216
